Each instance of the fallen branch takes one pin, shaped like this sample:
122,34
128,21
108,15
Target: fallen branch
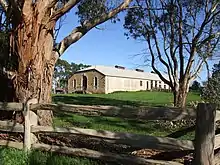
110,157
133,140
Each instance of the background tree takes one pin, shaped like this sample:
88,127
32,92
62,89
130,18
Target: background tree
32,31
196,86
181,35
211,90
63,70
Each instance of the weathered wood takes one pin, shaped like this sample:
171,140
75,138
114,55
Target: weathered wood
27,128
27,125
12,144
8,126
217,141
144,113
205,134
217,159
11,106
110,157
134,140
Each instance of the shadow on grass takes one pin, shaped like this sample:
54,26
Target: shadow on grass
88,100
109,123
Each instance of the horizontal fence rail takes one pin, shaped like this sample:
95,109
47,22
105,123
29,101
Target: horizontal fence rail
203,136
83,152
143,113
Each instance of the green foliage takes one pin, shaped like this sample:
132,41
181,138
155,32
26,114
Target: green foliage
196,86
211,91
159,23
90,10
63,70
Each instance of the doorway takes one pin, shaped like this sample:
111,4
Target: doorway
84,83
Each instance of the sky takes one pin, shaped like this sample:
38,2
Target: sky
108,46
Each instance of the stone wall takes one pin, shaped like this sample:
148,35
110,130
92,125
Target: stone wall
90,75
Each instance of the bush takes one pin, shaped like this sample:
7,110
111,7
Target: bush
211,91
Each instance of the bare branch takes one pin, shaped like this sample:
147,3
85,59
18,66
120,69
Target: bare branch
198,70
196,39
80,31
157,47
153,64
4,4
180,29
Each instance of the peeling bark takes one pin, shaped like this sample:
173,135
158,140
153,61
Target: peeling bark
32,40
180,95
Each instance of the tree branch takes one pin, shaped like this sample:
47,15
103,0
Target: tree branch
4,4
157,46
196,39
180,30
153,64
80,31
172,41
67,7
198,70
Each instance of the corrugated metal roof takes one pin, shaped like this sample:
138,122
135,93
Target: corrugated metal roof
115,72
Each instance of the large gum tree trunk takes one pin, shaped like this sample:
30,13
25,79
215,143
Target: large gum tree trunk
180,95
32,41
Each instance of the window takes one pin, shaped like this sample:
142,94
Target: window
74,83
152,86
147,85
95,82
141,83
155,84
165,87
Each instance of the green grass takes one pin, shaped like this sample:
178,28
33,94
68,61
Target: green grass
17,157
114,123
110,123
143,98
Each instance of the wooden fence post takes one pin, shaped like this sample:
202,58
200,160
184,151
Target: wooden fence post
205,134
27,125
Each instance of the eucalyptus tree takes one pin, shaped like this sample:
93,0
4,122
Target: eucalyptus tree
32,24
180,36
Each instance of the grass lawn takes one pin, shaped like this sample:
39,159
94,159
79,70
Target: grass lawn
16,157
123,98
114,123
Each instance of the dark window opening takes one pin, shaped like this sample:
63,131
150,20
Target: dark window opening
155,84
141,83
95,82
74,83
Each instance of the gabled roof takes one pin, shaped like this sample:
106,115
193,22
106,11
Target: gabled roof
116,72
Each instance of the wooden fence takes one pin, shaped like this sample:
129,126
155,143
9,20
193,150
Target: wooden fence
204,145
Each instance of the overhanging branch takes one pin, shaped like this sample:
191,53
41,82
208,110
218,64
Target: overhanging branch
60,12
80,31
